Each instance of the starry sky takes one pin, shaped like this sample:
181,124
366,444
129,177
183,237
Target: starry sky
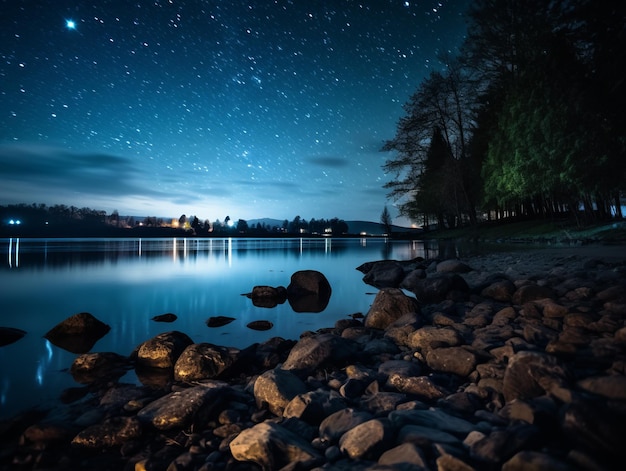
249,109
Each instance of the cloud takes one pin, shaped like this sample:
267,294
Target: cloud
30,171
328,161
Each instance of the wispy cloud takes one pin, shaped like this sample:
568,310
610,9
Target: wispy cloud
37,173
328,161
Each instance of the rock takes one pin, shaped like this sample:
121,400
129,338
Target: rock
421,386
112,432
78,333
335,425
399,330
528,460
219,321
389,305
163,350
501,445
45,435
610,387
596,427
425,436
531,292
453,266
402,455
456,360
439,287
432,418
90,368
275,388
314,406
308,291
384,274
9,335
400,367
202,361
186,407
531,374
311,353
500,290
260,325
262,291
307,282
428,337
268,296
273,447
169,317
367,440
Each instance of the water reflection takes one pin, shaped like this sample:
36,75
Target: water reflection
125,283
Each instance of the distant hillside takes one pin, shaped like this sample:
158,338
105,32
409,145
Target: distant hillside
354,227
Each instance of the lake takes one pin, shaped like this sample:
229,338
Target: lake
126,282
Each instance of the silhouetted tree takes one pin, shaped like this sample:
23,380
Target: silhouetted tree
386,221
242,226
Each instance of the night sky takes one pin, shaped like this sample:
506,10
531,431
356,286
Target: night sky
211,108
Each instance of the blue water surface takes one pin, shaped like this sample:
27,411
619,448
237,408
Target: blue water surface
126,282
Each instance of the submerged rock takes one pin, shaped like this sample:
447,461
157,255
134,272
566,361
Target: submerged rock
219,321
168,317
260,325
9,335
78,333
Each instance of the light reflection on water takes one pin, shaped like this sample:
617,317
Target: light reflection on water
126,282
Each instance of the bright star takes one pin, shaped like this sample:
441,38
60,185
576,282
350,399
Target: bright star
70,24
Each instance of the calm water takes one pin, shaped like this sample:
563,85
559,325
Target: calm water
126,282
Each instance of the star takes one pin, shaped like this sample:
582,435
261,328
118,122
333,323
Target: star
70,24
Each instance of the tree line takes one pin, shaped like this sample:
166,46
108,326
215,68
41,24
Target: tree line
71,218
527,120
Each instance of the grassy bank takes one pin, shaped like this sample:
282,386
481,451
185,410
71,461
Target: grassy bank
536,231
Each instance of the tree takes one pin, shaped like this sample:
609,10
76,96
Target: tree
442,104
242,226
195,224
386,221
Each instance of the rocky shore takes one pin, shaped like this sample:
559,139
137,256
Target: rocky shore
511,361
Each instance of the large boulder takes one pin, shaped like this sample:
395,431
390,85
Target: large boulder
384,274
275,388
163,350
389,305
202,361
78,333
272,446
316,351
308,291
186,407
